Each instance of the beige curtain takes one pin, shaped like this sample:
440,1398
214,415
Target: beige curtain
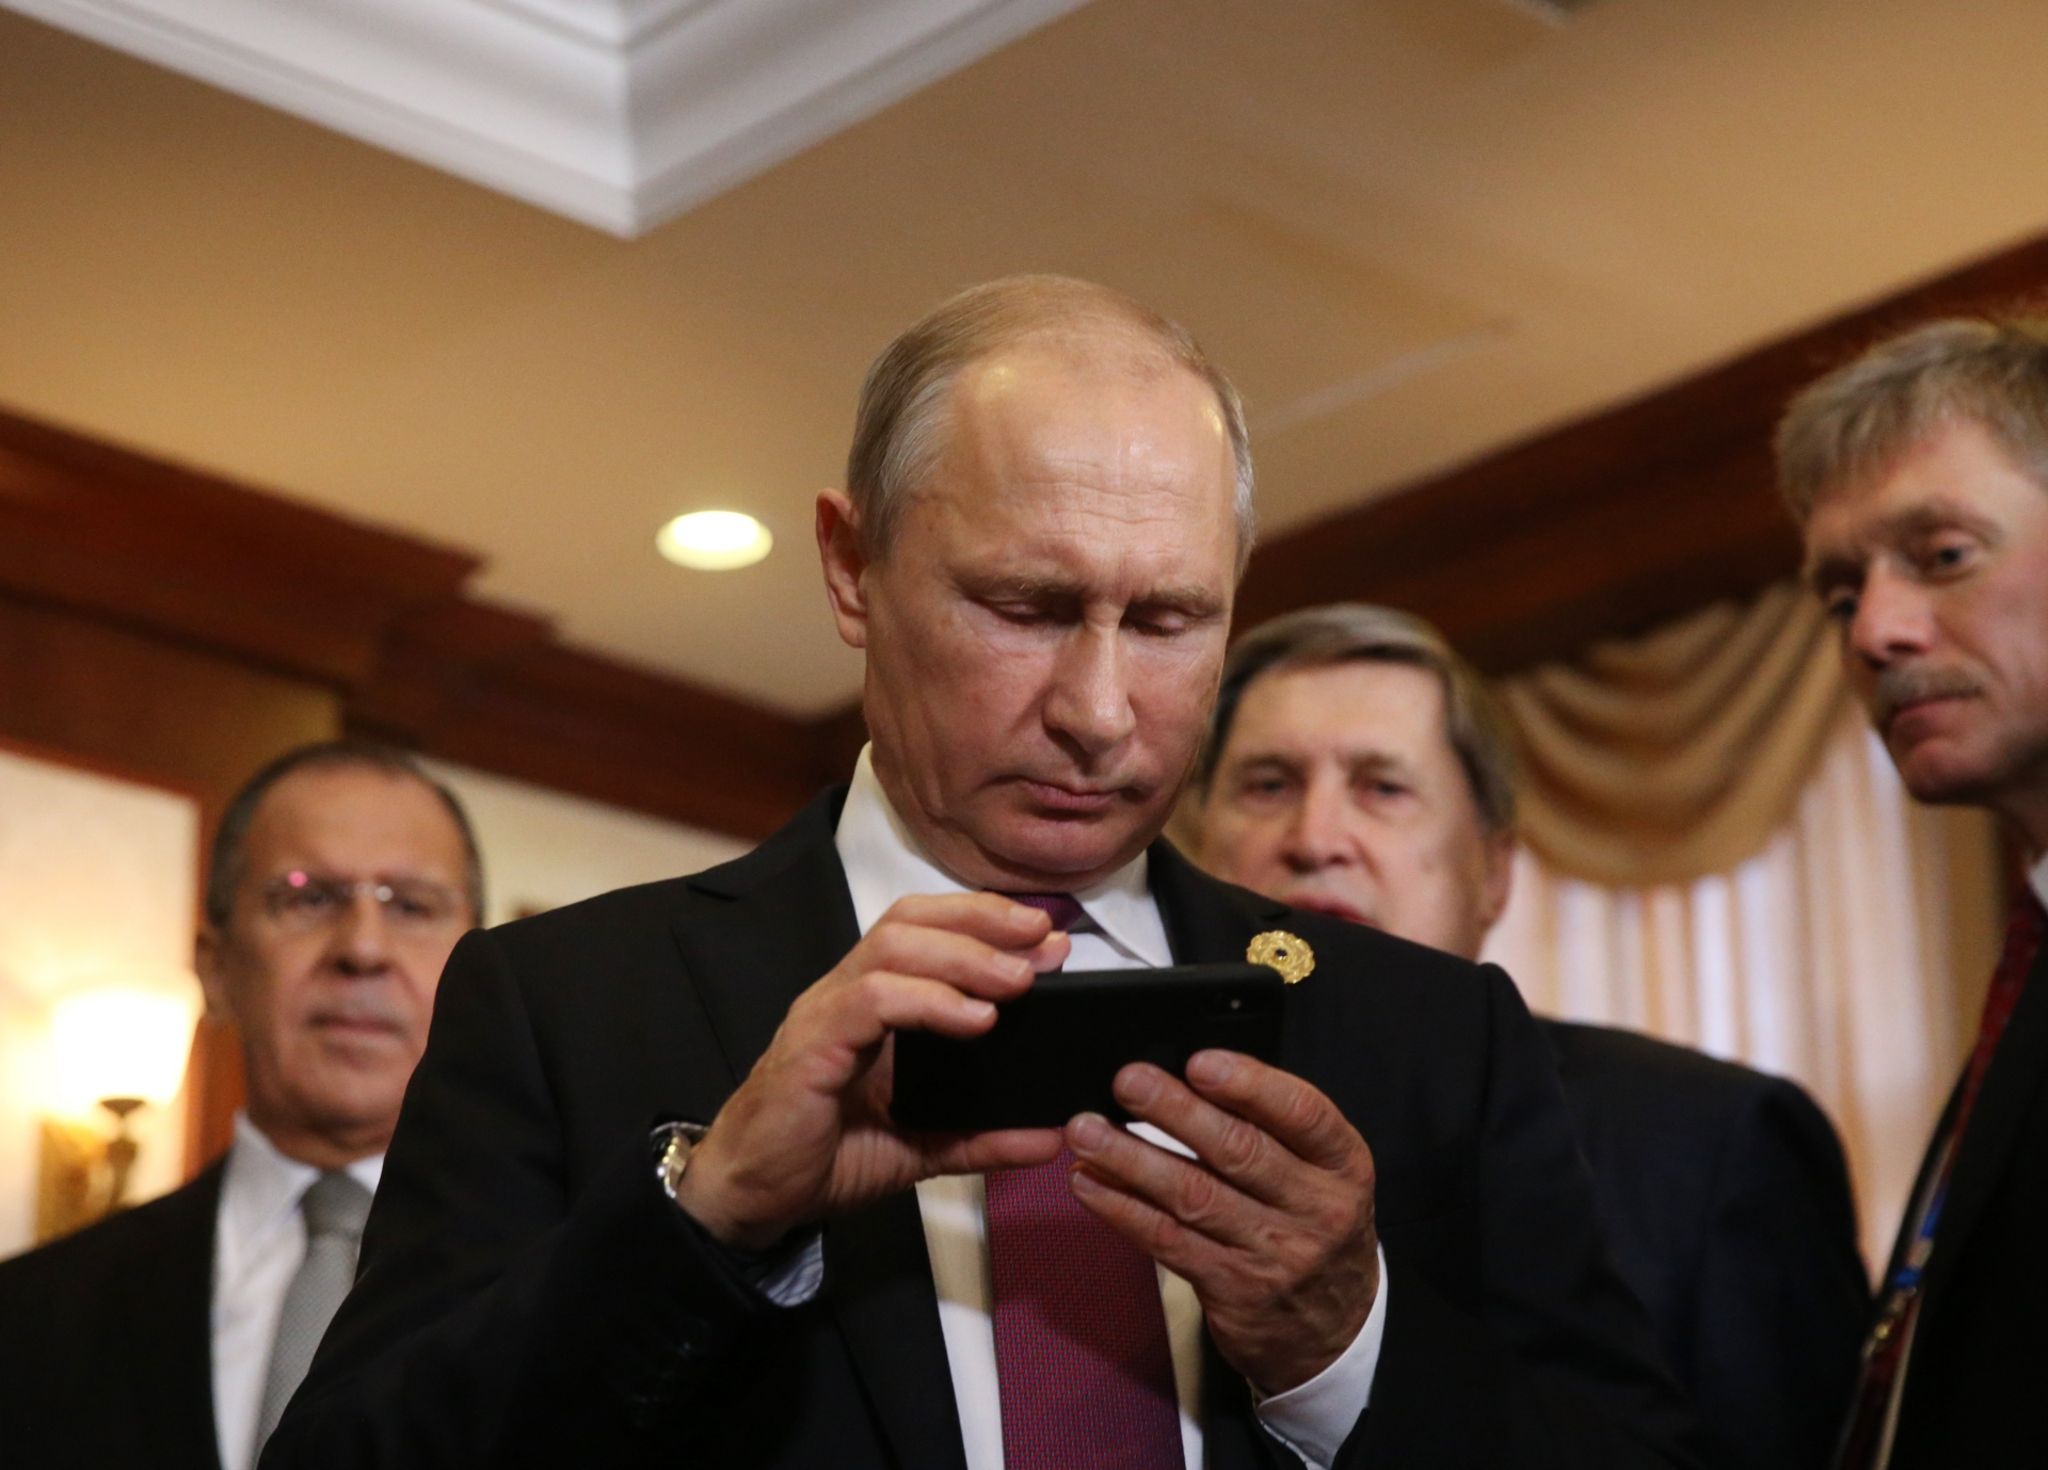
1666,757
1720,853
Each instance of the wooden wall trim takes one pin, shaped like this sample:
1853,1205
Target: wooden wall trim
494,689
1602,526
99,530
382,620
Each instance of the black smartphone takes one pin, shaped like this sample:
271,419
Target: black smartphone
1054,1051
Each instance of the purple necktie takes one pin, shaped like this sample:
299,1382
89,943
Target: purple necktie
1082,1364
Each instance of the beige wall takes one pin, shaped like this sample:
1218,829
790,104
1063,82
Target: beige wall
98,879
543,849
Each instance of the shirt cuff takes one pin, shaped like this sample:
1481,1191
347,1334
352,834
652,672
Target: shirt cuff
1313,1419
794,1279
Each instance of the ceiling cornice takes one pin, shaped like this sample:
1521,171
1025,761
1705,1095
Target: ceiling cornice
616,113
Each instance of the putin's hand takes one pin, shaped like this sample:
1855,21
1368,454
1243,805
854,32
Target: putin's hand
1272,1223
807,1134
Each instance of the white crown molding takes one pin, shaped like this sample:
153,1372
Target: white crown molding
617,113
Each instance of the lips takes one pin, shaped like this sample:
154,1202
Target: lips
355,1023
1070,800
1316,903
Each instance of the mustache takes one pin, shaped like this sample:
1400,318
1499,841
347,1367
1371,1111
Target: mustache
361,1010
1898,687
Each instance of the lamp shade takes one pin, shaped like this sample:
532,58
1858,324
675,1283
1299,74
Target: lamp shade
117,1041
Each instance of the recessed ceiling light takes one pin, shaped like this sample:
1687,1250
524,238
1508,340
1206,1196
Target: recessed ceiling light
714,540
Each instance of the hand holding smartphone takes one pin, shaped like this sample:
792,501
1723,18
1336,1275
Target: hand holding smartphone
1054,1051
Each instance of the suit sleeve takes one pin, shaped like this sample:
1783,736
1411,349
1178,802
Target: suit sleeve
1547,1361
1783,1300
492,1321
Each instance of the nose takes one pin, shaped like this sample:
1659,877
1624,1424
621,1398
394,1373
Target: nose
1316,835
361,943
1089,704
1892,619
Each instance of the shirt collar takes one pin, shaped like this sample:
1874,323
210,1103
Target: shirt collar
2037,879
884,862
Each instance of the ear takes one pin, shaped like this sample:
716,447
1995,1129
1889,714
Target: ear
1499,877
211,966
843,557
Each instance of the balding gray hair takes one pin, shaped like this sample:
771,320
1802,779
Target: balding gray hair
899,427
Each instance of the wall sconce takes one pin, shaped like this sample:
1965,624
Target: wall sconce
113,1050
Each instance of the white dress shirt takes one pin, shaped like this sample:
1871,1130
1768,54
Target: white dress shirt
883,863
257,1246
2037,878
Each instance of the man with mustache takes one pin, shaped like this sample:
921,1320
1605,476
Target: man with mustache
1357,766
647,1204
173,1334
1919,475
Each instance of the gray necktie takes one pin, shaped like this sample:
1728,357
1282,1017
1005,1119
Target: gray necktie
335,1207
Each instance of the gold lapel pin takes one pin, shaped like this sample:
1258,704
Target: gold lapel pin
1285,952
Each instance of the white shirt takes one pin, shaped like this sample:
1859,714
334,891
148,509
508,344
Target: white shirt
2037,879
257,1246
883,863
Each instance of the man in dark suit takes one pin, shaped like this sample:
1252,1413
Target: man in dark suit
1919,473
1358,766
1049,506
172,1334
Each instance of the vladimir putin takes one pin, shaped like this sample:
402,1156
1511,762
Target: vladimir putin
1380,1251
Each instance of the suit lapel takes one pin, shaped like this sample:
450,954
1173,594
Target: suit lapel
172,1345
1211,922
878,1283
1993,1130
1207,921
786,917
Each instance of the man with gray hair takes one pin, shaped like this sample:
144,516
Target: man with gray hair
1919,475
173,1334
1357,766
649,1203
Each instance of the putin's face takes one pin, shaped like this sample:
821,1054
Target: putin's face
1935,571
1337,790
352,894
1045,632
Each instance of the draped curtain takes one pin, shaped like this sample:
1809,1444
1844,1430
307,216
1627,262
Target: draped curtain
1718,852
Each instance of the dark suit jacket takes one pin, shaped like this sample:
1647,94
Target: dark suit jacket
1974,1385
1725,1199
106,1355
528,1294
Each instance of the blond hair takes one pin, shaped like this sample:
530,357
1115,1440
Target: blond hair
1852,423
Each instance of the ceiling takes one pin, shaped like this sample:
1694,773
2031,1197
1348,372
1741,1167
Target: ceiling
1413,230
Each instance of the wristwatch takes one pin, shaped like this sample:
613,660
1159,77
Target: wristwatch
673,1145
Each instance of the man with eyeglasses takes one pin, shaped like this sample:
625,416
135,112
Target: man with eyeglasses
173,1334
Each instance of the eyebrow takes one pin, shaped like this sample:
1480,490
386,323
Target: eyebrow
1831,568
1372,760
1193,600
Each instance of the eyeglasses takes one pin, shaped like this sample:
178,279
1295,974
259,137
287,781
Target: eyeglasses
303,902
